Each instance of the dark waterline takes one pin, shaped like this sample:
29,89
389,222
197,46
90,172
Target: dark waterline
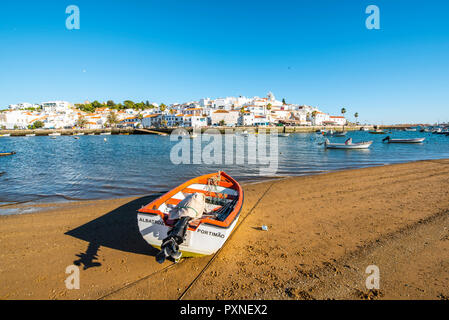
66,169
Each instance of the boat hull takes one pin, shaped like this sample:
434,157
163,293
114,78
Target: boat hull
205,240
206,235
343,146
406,140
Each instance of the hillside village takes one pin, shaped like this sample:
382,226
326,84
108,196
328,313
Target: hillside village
229,111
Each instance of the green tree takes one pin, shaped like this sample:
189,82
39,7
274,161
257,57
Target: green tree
343,111
96,105
356,115
36,125
129,104
110,104
81,122
140,106
269,106
222,123
112,119
162,107
283,101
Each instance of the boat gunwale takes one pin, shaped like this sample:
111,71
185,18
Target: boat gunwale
222,224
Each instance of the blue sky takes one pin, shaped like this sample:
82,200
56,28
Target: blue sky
309,52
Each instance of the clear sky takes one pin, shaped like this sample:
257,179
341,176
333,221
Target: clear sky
315,52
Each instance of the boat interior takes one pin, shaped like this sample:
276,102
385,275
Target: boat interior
223,200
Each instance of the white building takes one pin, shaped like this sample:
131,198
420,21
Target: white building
228,117
56,106
194,121
23,105
319,118
152,120
338,120
246,119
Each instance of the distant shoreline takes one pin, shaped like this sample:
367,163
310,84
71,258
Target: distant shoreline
118,131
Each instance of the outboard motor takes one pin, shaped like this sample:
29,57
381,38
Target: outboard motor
176,236
192,207
386,139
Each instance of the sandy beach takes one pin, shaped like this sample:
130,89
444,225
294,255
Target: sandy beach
323,232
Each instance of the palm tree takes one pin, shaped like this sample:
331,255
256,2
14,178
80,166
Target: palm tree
356,115
343,111
314,113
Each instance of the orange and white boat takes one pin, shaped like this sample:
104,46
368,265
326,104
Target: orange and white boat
206,235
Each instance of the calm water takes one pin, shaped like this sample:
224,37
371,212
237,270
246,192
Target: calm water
50,170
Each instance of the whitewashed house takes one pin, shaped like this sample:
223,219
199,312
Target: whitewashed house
229,117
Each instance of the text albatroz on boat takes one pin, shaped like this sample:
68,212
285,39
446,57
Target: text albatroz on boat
215,148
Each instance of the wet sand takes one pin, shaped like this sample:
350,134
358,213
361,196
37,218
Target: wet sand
323,232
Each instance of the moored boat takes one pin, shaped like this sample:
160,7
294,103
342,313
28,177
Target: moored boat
340,134
377,132
348,145
5,135
3,154
105,134
284,134
30,135
54,134
413,140
203,236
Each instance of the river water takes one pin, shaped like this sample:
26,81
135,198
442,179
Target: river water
61,169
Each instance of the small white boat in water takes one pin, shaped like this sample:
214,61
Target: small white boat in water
348,145
105,134
79,134
54,134
414,140
5,135
410,129
284,134
30,135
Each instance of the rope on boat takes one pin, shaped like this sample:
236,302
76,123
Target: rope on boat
227,241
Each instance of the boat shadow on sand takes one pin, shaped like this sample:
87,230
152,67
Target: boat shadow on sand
116,229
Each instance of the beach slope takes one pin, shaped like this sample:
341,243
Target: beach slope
323,233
